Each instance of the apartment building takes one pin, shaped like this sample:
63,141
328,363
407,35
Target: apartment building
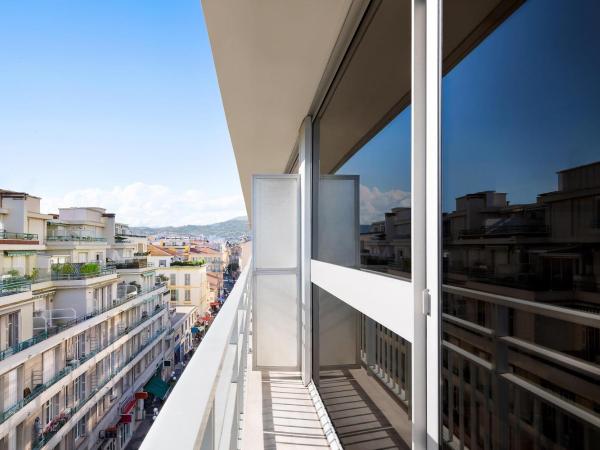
79,340
422,179
215,284
179,247
188,284
180,336
160,257
215,260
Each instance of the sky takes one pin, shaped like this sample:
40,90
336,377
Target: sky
116,104
521,106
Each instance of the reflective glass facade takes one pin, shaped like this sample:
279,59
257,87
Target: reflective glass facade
521,242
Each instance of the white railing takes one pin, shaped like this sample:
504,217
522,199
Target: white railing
203,410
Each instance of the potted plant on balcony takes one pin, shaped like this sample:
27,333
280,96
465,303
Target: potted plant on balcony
89,269
35,273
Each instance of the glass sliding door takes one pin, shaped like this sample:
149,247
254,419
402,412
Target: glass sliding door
362,302
520,341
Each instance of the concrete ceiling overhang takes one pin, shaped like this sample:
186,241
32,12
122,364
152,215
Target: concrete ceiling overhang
270,56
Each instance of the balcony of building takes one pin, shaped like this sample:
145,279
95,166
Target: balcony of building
53,325
10,285
223,400
7,237
134,263
78,356
64,420
78,271
74,238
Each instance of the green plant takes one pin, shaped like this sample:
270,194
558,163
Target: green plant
188,263
35,273
13,273
66,269
89,268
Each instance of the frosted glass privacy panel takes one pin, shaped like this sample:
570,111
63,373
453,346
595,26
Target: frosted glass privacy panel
337,228
337,331
276,320
275,222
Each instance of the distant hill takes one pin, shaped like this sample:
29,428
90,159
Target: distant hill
230,229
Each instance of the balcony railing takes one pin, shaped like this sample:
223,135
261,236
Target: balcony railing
37,390
504,230
65,238
69,412
79,271
59,329
132,264
7,235
206,403
14,285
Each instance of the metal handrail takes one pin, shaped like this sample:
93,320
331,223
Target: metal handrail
69,412
493,230
65,238
214,375
37,390
5,235
59,329
14,285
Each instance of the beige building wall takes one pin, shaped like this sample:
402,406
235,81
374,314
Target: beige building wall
196,285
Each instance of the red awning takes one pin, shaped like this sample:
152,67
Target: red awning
126,418
214,303
129,406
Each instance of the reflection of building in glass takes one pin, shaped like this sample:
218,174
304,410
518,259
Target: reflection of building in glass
522,315
550,245
386,245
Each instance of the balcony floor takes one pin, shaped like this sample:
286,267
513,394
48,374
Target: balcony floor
363,413
280,413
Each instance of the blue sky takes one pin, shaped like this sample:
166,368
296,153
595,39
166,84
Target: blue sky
115,103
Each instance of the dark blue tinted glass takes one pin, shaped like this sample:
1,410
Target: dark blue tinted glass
521,225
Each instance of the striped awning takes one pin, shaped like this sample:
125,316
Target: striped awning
19,252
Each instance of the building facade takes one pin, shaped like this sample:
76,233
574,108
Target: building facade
80,338
187,283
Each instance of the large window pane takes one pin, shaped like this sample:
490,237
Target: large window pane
363,131
521,235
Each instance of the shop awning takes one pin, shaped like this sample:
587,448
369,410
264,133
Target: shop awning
214,303
157,387
128,406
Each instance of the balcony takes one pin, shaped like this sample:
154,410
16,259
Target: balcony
220,402
14,285
132,264
79,271
39,389
66,415
53,331
18,238
504,231
77,239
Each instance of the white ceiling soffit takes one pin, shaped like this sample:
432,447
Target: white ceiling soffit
270,56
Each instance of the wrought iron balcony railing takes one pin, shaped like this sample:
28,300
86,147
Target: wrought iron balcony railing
51,431
14,285
7,235
12,350
65,238
37,390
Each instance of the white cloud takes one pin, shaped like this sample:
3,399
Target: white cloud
375,203
152,204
